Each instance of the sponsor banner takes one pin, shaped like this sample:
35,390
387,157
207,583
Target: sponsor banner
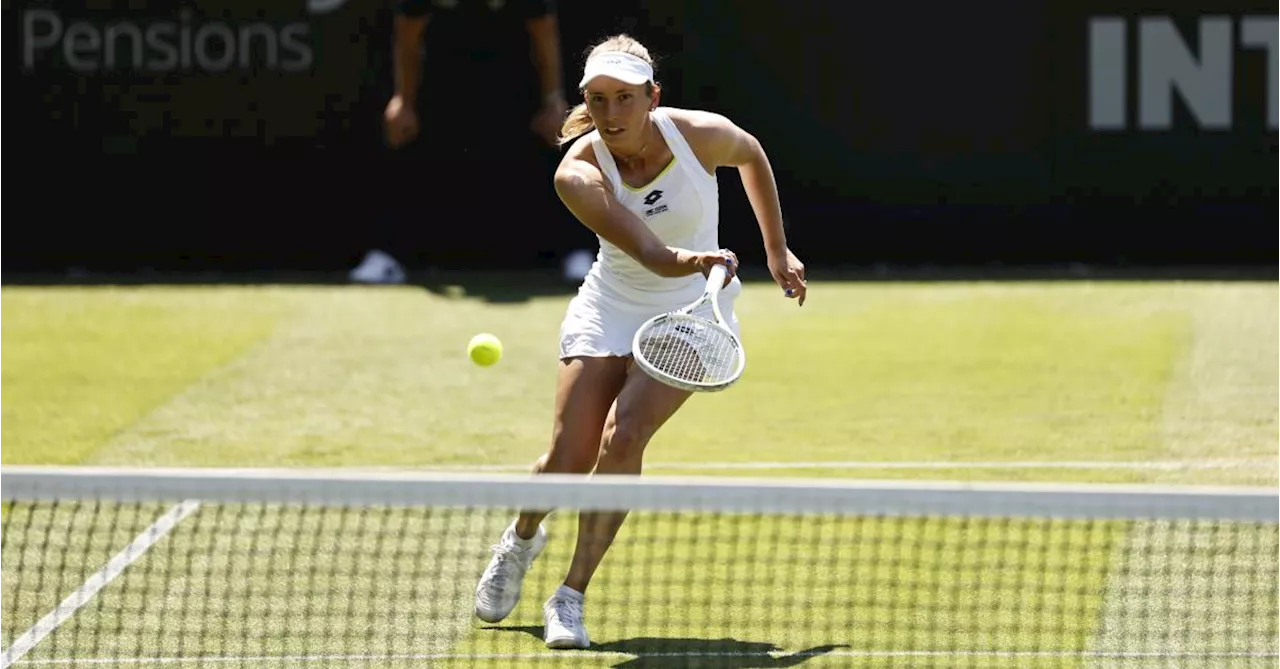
951,132
154,70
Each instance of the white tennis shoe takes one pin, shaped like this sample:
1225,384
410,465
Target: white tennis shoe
562,620
377,267
499,589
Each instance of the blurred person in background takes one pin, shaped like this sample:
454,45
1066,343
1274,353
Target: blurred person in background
454,107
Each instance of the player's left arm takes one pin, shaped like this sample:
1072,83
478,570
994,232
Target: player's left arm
719,142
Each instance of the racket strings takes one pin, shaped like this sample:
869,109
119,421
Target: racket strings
690,350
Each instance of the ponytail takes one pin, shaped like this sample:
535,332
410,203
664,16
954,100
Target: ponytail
577,122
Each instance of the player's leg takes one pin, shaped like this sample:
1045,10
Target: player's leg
642,407
585,389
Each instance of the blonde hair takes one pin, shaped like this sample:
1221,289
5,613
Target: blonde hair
579,120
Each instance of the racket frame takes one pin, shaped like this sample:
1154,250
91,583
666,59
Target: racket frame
715,282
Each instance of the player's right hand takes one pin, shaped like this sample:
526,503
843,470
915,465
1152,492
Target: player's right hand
705,261
401,122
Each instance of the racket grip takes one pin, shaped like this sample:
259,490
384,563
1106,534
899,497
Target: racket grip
715,278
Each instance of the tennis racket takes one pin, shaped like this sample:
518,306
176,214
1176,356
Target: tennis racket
689,351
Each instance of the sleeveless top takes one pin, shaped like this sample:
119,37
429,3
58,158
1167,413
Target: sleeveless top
681,206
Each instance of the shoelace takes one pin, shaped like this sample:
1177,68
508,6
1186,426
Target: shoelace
507,558
568,612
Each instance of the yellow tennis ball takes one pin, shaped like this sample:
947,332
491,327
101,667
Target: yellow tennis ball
484,349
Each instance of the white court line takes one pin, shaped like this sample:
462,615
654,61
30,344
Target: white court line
1164,465
596,655
109,571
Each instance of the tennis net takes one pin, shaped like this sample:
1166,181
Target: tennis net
223,568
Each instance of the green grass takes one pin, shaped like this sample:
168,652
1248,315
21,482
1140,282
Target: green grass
871,372
992,373
378,377
81,366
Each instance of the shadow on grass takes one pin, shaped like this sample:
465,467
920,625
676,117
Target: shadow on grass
517,286
723,653
490,286
496,287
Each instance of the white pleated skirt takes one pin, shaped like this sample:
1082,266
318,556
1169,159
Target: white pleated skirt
596,325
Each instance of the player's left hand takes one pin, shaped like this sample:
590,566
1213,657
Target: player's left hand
788,271
546,123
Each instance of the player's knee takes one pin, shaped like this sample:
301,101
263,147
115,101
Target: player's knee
625,441
569,458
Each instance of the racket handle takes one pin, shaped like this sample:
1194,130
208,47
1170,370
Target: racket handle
715,278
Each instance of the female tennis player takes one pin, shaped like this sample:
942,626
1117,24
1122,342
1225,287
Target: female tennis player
644,180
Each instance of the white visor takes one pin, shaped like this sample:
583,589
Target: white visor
619,65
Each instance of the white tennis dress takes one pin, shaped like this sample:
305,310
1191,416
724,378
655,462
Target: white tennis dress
682,206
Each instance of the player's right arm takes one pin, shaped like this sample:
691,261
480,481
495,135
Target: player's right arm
585,192
401,116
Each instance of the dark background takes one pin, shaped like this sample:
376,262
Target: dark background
941,134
